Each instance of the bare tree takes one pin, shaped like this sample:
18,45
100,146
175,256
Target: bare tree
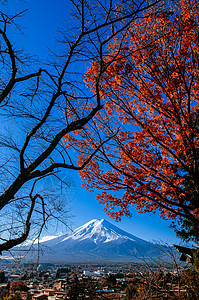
160,277
40,106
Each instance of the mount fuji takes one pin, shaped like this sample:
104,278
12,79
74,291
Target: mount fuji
95,242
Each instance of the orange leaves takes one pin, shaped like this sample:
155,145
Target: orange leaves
109,107
151,93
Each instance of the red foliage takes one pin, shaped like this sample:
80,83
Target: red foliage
18,286
151,93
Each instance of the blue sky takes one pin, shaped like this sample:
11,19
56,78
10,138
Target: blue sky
39,26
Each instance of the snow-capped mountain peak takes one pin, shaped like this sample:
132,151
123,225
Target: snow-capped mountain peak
100,231
97,241
94,230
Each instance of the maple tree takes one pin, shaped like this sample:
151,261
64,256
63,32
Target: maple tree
151,95
19,286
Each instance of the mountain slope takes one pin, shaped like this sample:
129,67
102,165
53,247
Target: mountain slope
97,241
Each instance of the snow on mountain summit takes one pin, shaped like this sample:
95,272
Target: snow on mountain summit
97,241
98,230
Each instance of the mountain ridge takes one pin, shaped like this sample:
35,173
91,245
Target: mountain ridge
91,228
98,241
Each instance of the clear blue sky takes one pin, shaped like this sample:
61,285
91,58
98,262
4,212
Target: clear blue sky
39,26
